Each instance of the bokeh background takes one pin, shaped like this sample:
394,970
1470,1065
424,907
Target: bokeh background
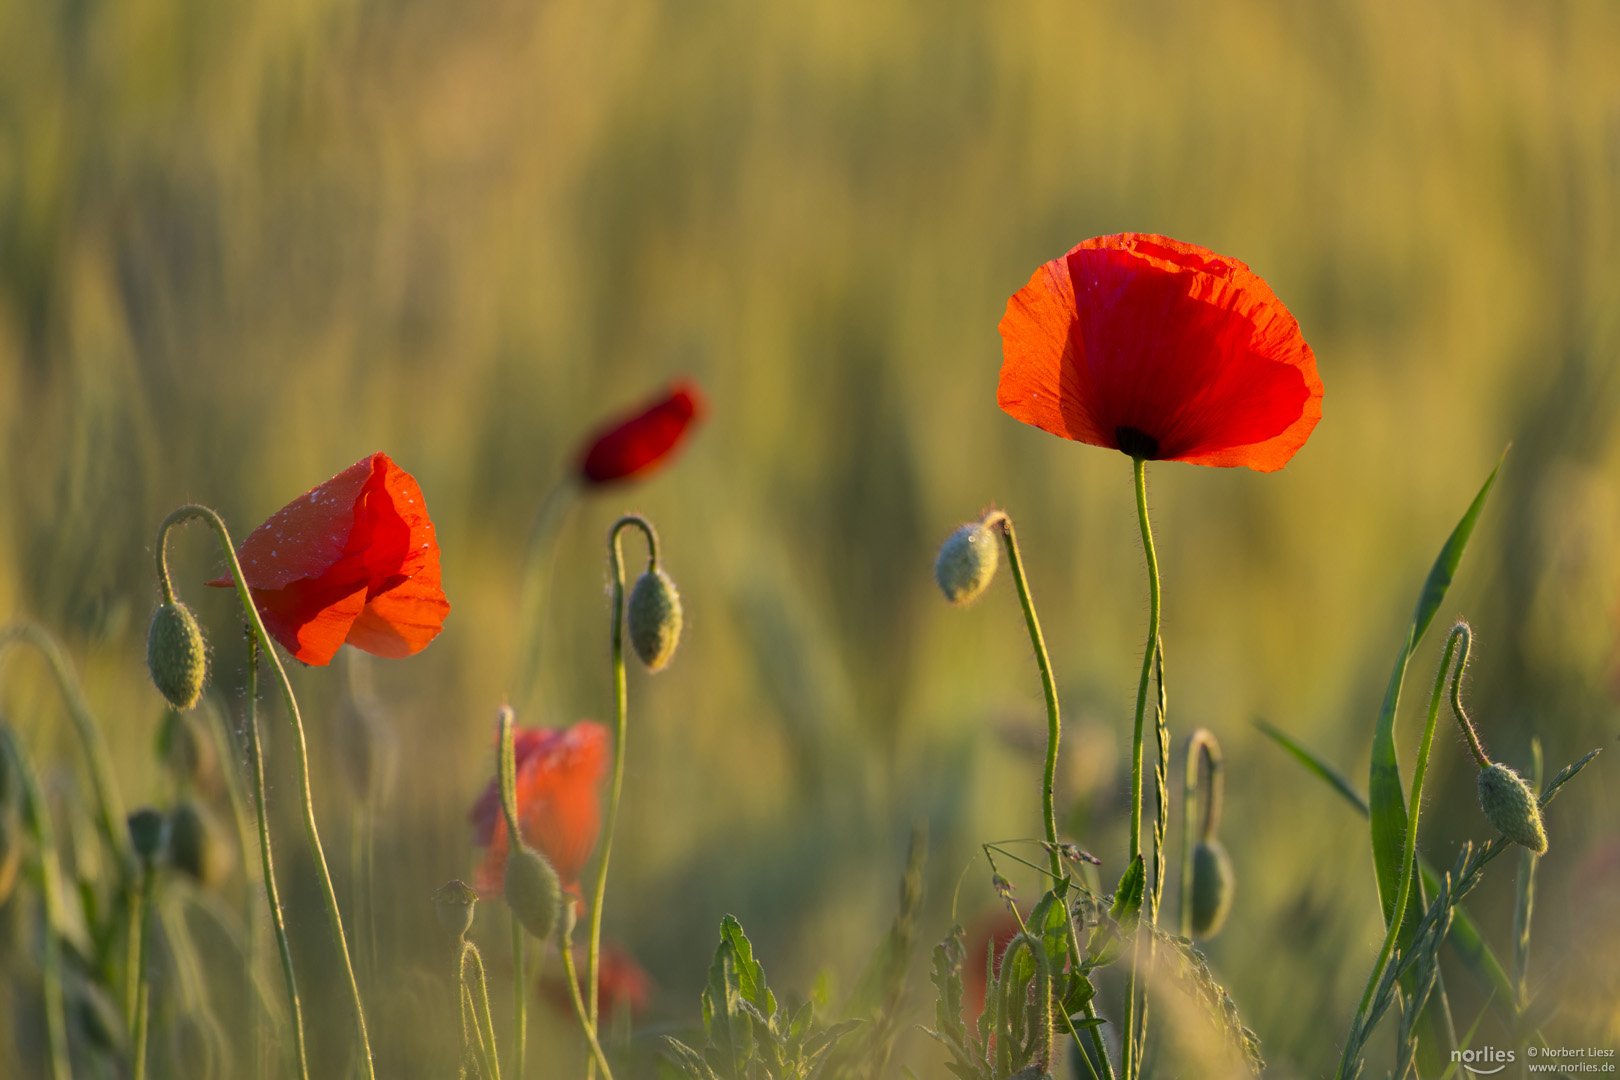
243,245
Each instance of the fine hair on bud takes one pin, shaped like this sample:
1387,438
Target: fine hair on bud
1511,806
533,891
177,655
453,904
967,562
197,846
654,619
1212,884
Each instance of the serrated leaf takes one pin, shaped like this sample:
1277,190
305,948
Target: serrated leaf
731,1036
947,980
1128,896
750,975
689,1060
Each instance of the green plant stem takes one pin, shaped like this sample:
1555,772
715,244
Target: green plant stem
267,868
506,773
1151,652
50,874
536,583
143,991
621,711
1524,907
111,819
1409,856
306,797
571,977
485,1019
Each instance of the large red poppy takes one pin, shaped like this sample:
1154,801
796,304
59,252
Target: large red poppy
1162,350
353,560
632,446
559,780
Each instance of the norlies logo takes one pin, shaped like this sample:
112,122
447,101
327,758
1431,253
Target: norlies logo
1484,1061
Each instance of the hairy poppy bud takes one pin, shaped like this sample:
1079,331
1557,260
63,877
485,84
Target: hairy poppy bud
967,562
148,832
655,619
1211,888
533,891
196,846
1511,806
454,904
177,655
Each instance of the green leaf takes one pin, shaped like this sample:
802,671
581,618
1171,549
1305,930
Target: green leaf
731,1032
1128,896
750,975
1080,992
1314,764
1081,1023
690,1061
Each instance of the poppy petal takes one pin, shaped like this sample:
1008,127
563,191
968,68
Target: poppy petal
310,626
637,445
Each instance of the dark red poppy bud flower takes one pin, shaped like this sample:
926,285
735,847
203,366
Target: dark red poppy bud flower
1162,350
621,984
559,781
634,446
354,561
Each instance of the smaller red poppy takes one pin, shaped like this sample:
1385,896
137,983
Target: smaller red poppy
353,560
1162,350
997,927
621,983
559,779
634,446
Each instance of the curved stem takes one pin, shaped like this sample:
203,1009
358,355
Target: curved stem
50,873
266,864
486,1019
1048,687
571,977
506,771
143,993
311,831
621,710
1463,631
1408,858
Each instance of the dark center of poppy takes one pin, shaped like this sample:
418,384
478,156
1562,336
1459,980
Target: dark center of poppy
1138,444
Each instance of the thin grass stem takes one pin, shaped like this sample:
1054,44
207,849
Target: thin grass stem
143,986
571,977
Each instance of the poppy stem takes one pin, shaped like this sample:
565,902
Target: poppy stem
1463,722
50,887
621,709
506,770
306,796
143,992
536,583
1048,686
484,1019
1408,858
571,977
277,921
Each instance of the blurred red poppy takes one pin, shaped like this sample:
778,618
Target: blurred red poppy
559,779
1162,350
997,927
621,984
353,560
633,446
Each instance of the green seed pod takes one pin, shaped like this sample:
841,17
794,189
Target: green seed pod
196,844
967,562
1212,884
1511,806
454,904
177,655
148,832
655,619
533,891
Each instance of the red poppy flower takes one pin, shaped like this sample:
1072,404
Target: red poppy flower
621,983
1160,349
997,926
634,446
353,560
559,779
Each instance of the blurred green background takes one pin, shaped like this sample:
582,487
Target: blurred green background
243,245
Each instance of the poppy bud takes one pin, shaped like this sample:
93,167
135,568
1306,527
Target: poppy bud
196,846
1511,806
1211,888
148,832
454,904
655,619
177,655
967,562
533,891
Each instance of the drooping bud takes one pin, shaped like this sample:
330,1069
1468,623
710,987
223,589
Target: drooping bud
1511,806
654,619
533,891
177,655
967,562
454,904
148,832
1212,883
196,844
